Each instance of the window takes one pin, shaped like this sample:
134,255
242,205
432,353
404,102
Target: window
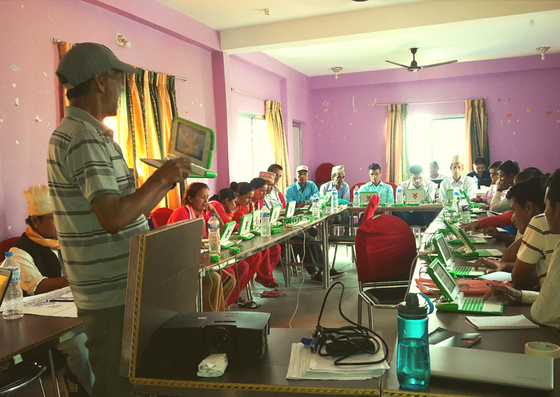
252,152
429,138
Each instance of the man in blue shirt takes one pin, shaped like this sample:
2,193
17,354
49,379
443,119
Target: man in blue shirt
337,181
385,192
302,190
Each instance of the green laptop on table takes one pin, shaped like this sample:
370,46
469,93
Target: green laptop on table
468,249
244,232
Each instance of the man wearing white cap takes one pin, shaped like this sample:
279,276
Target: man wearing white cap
38,254
465,183
302,190
337,182
97,206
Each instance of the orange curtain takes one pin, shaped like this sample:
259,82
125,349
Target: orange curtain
63,48
394,132
277,135
476,121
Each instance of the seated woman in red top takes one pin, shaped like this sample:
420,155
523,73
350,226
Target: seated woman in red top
250,197
225,203
195,205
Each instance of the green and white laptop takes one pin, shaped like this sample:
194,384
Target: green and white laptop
447,259
225,242
256,222
290,209
414,196
275,215
469,251
457,240
453,300
245,227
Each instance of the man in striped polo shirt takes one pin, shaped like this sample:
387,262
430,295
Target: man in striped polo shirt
96,206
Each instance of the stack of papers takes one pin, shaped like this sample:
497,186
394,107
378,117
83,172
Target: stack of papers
306,365
58,303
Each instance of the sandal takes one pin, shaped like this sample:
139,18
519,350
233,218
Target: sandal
272,294
267,284
251,305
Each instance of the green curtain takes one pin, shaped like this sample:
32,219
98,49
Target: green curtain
476,120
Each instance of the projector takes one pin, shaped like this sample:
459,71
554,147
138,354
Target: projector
196,335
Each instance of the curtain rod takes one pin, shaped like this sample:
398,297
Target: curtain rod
56,41
426,103
244,93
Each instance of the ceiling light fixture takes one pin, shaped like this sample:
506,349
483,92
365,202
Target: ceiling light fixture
542,51
122,41
336,70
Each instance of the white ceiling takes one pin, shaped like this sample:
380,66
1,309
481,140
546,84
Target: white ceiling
312,36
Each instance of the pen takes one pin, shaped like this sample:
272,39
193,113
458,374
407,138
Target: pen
60,300
508,296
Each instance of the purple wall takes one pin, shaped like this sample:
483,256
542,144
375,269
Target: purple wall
523,108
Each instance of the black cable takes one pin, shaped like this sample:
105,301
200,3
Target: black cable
354,337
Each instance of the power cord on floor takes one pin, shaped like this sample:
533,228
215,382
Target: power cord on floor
302,280
347,341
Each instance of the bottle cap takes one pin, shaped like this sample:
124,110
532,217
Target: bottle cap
9,254
213,215
411,308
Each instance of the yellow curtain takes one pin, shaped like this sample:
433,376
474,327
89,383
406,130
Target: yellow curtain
277,135
476,121
394,132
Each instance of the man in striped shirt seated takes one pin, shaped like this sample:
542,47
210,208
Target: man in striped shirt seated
96,206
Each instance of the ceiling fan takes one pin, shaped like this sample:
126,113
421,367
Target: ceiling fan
414,65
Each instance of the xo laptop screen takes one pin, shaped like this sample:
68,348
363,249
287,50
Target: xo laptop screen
465,239
443,249
228,230
290,209
275,214
190,141
444,280
245,224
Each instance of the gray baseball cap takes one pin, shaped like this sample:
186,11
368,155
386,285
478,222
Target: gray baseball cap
85,60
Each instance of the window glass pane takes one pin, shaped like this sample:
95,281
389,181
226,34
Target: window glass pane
241,169
448,139
262,152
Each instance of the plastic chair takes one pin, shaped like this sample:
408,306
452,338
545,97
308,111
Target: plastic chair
385,251
161,215
323,173
7,244
394,186
352,190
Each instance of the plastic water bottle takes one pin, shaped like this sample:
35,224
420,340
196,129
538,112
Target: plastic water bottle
13,301
265,221
399,194
214,235
465,210
315,210
356,199
456,198
413,352
334,199
476,181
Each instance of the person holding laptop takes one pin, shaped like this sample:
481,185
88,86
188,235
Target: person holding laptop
545,309
338,175
417,181
457,178
302,190
94,194
384,191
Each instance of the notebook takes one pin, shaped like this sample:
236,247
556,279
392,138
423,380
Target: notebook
447,259
453,229
245,227
226,234
512,369
192,141
469,251
414,196
501,322
455,301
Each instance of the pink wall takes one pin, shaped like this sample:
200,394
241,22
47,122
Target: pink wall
28,27
523,108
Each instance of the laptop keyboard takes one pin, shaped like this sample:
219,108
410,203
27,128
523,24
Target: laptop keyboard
462,270
483,252
473,304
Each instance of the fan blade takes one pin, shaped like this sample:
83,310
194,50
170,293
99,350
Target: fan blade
438,64
398,64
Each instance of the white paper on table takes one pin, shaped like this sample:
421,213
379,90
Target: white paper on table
497,276
306,365
41,304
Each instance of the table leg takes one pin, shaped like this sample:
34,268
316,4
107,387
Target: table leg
326,274
199,298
